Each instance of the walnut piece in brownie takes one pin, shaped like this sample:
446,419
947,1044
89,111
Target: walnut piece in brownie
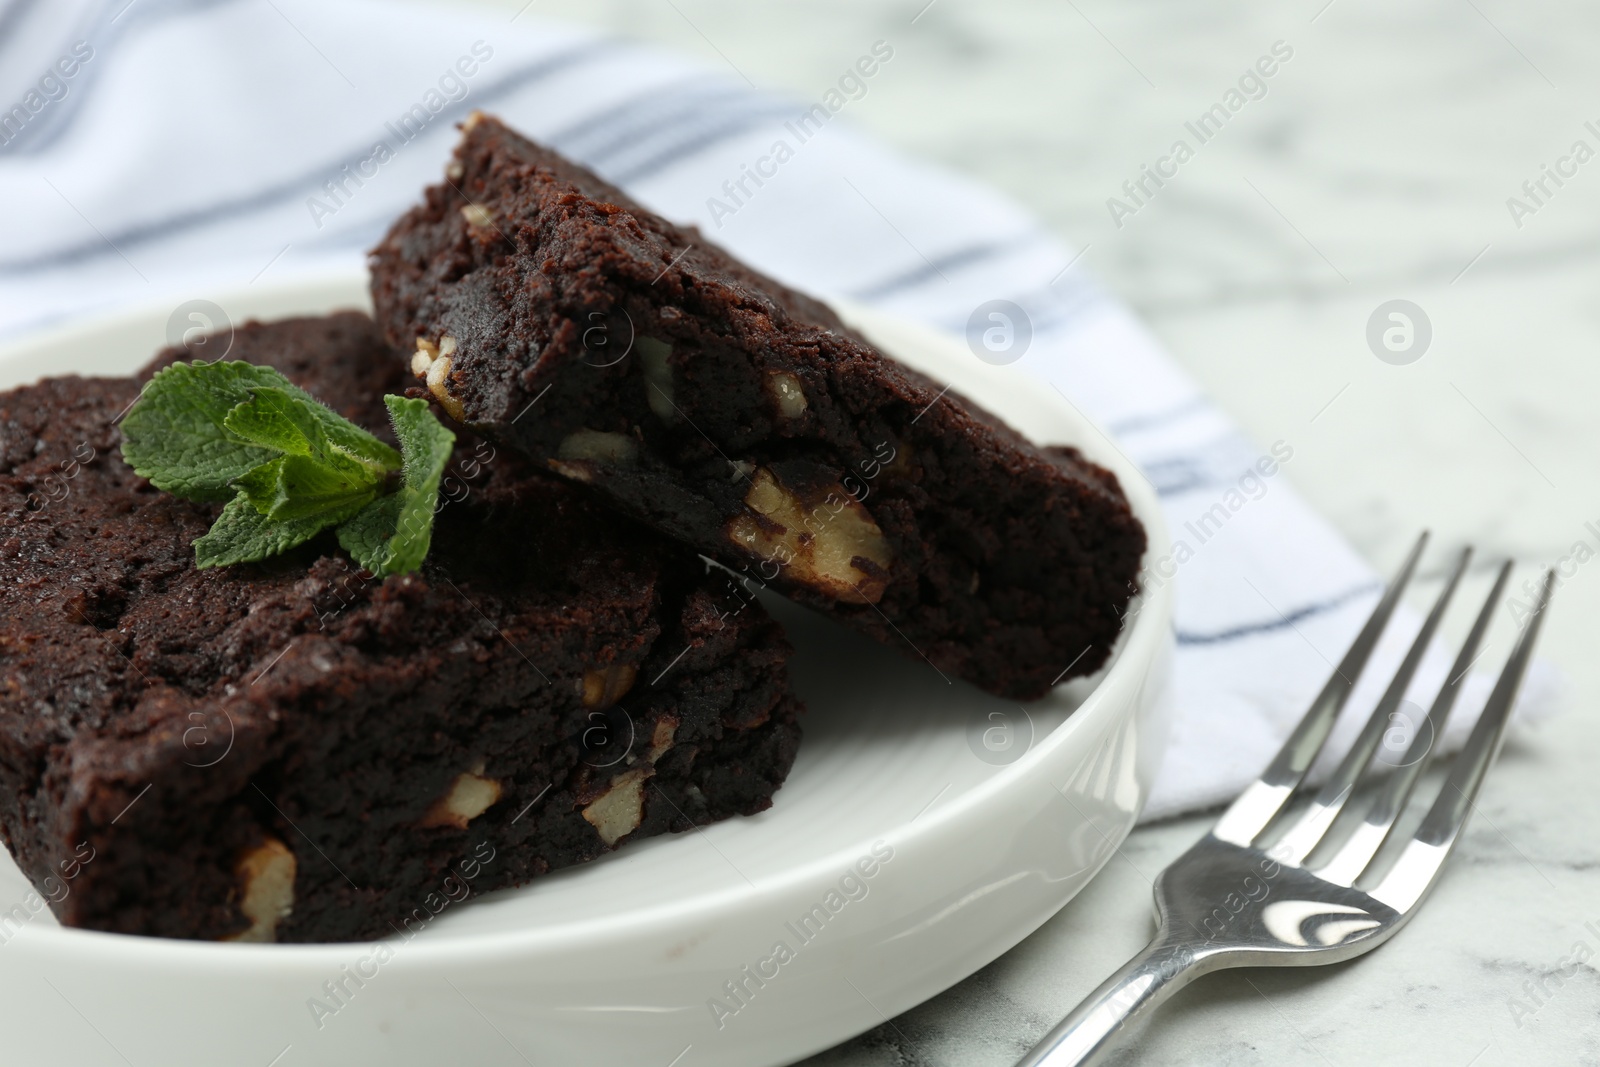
293,751
544,308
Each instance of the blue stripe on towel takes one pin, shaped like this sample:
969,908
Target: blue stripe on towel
302,184
104,31
1281,622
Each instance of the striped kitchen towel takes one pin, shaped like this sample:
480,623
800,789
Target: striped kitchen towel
157,150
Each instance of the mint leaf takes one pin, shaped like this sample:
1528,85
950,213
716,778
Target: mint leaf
393,535
176,434
242,534
351,440
366,537
425,445
291,421
314,474
296,487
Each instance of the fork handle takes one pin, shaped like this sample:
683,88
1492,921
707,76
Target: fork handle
1165,966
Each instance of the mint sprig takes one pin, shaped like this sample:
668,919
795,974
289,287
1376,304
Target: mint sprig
288,466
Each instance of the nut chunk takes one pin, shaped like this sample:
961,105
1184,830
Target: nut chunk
617,812
266,875
469,796
829,544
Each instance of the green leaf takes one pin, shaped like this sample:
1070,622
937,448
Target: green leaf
275,419
176,433
242,534
297,487
425,444
313,474
351,440
292,422
392,535
366,536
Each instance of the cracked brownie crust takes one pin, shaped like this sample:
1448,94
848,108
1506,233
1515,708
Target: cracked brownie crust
543,307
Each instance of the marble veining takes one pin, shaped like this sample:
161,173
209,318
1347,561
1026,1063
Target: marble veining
1378,164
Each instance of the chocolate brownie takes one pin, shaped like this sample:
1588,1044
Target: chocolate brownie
548,310
292,750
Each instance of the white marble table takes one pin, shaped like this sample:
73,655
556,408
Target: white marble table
1376,166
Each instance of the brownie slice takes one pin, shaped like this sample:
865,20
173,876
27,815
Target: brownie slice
294,751
554,314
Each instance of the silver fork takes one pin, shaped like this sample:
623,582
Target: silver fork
1246,895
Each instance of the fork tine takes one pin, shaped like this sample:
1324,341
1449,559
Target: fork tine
1262,799
1354,855
1330,800
1418,866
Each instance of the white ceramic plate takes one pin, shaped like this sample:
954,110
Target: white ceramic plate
976,818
